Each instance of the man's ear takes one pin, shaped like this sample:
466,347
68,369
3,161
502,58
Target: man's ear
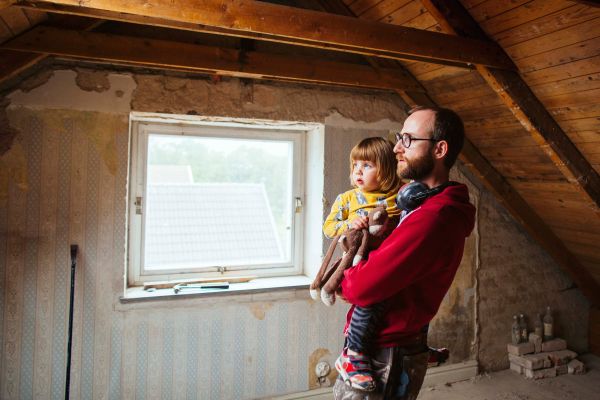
440,149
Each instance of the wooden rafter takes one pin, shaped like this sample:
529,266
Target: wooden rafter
259,20
13,62
523,103
192,57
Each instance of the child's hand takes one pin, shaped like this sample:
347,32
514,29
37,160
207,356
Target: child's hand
360,223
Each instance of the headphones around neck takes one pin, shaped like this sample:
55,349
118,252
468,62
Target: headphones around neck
415,193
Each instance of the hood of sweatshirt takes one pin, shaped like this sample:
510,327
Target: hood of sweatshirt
455,197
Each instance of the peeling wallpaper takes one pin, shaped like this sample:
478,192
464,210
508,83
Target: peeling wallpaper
202,350
73,90
64,181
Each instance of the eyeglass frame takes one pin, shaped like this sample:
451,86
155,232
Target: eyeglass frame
400,139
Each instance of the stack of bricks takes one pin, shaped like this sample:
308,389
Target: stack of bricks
537,360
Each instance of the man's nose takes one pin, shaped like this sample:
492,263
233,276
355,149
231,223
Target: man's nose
398,147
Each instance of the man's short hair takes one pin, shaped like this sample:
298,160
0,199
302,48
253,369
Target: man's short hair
448,126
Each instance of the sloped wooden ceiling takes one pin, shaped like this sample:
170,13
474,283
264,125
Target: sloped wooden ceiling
524,75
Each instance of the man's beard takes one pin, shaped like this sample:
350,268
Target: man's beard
417,169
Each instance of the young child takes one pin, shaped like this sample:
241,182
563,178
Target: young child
373,176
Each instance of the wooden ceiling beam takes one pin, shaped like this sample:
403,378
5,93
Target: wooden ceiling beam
12,63
524,105
265,21
191,57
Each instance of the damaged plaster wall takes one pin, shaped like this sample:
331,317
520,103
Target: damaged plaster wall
455,325
68,186
65,183
517,276
77,90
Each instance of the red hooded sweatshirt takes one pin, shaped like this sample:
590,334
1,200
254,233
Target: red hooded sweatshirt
414,267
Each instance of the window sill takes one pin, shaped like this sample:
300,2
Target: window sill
259,285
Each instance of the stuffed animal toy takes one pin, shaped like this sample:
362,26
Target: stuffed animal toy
356,243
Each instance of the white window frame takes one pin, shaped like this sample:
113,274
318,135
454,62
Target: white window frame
139,125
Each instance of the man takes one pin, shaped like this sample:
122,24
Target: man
413,268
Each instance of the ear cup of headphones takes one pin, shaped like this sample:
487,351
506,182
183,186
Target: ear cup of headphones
412,195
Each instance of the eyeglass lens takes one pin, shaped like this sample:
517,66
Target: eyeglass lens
404,138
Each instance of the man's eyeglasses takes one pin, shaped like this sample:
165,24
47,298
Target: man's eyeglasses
406,139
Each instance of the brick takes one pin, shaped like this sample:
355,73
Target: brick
576,367
521,348
531,361
547,361
516,368
540,373
561,369
537,342
561,357
554,345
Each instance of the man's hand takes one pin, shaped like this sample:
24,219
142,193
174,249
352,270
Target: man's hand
360,223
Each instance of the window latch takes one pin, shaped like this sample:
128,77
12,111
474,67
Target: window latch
298,208
138,205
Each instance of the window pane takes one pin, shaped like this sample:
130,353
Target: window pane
217,202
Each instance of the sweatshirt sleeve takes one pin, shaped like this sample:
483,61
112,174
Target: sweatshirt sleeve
409,254
337,220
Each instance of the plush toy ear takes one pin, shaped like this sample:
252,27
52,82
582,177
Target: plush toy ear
323,275
314,293
352,241
328,298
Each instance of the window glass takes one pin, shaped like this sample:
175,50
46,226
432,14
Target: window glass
214,202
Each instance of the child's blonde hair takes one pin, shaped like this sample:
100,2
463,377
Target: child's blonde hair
379,151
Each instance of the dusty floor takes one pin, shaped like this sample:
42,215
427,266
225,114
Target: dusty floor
508,385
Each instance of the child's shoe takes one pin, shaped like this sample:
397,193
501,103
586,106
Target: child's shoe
356,371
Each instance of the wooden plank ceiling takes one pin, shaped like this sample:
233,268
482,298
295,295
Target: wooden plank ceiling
523,74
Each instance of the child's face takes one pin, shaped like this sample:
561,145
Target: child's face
364,175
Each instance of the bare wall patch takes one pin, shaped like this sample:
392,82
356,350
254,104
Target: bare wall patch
62,91
315,357
92,81
259,310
